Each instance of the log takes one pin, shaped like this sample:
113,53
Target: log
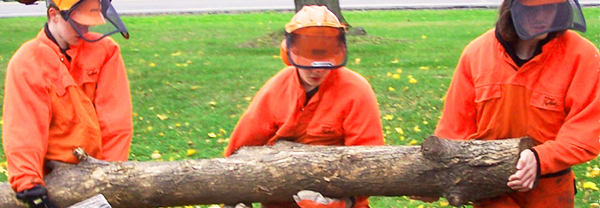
461,171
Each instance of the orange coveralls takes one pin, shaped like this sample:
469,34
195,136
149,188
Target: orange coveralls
554,98
52,106
344,111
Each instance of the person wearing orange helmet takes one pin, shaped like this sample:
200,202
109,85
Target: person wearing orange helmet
314,100
64,89
530,77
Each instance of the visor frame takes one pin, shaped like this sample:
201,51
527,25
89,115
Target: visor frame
568,16
316,64
106,7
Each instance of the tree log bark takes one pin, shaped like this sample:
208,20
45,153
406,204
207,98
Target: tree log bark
460,171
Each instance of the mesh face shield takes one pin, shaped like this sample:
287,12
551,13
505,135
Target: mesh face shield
94,16
534,17
317,47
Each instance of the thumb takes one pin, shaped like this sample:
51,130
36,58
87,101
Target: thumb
521,161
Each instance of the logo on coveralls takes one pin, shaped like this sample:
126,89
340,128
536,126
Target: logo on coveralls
550,101
327,130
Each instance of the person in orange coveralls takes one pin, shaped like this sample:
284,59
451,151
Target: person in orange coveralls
530,76
314,100
66,88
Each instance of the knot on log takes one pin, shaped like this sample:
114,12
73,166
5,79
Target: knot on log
456,200
433,147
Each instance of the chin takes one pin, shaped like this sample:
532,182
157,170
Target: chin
541,36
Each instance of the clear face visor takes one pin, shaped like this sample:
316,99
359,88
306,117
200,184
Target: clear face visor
532,20
94,16
317,48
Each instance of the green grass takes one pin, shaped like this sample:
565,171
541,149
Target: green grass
192,76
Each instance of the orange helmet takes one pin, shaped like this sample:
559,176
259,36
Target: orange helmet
315,38
540,2
313,15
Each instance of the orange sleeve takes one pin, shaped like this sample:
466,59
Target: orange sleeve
577,140
113,107
26,117
257,125
458,119
362,125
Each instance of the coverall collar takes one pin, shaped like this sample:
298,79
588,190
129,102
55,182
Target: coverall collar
51,37
513,54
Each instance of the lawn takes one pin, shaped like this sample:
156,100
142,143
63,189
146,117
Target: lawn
192,76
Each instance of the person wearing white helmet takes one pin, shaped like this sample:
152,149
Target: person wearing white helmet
314,100
533,77
67,88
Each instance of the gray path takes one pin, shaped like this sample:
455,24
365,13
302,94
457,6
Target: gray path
13,9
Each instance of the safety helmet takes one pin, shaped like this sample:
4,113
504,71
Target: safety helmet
98,16
535,17
315,38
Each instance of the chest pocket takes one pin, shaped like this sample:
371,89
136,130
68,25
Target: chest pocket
487,92
89,82
547,102
61,84
324,130
63,113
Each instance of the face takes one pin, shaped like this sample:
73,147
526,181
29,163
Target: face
312,78
539,19
63,31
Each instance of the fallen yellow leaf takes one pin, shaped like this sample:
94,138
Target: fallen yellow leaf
412,80
212,135
162,117
595,172
590,185
190,152
417,129
388,117
399,130
155,155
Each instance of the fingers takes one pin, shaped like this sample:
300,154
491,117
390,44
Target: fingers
239,205
524,178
